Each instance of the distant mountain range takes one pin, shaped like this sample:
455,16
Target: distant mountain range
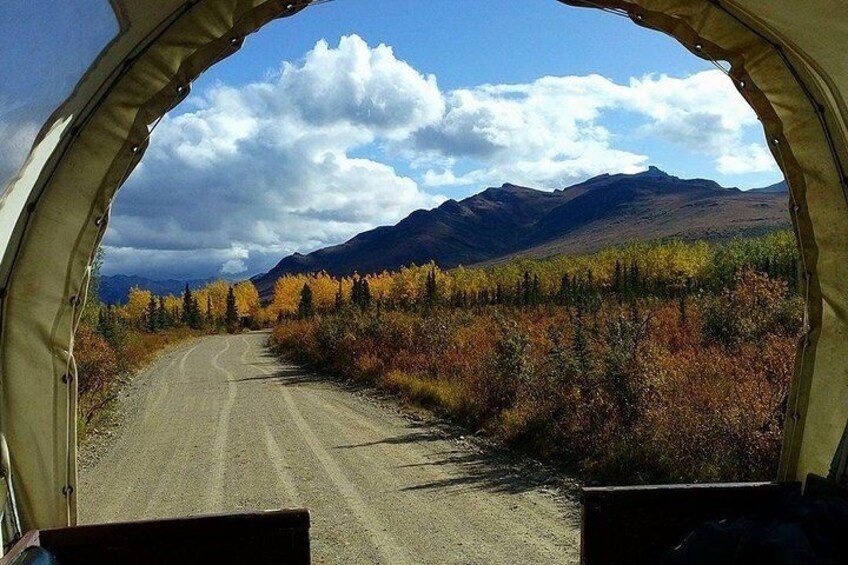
116,288
510,221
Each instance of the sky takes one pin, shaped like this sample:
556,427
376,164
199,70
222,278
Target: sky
355,113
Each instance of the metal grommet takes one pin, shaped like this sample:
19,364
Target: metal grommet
775,141
234,40
75,301
136,148
741,84
180,89
698,47
67,378
98,221
67,490
289,7
796,208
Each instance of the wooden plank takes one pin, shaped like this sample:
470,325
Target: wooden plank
635,525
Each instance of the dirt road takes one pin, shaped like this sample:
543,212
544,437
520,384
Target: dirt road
220,425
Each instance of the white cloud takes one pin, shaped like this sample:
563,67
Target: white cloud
751,158
267,168
233,267
548,133
248,175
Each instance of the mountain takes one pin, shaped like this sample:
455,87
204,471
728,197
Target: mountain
510,221
778,188
115,289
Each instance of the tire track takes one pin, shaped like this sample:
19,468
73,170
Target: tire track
375,528
215,495
524,526
223,426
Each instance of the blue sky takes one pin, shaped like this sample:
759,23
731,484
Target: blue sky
356,112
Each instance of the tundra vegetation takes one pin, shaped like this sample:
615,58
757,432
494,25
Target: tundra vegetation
647,363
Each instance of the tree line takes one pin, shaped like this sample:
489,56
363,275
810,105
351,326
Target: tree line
673,269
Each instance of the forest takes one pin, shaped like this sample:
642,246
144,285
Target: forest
654,362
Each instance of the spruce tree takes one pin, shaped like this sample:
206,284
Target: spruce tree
231,317
431,290
340,297
188,304
162,315
151,315
365,292
565,290
306,308
356,292
526,289
195,319
635,277
536,290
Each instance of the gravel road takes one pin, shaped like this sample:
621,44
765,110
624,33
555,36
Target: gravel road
221,425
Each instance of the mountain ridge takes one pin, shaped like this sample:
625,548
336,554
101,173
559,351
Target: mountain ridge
114,289
512,221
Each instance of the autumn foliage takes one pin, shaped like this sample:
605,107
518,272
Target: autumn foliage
653,363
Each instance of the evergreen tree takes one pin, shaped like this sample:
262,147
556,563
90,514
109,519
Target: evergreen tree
536,290
151,317
365,294
306,308
195,319
526,289
565,290
616,278
162,315
231,316
635,277
431,290
356,292
107,326
188,303
340,297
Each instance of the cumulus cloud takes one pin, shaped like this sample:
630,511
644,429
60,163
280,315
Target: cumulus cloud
550,132
247,175
253,173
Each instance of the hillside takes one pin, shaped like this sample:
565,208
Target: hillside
514,221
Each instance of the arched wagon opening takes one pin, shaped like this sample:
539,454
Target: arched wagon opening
784,57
